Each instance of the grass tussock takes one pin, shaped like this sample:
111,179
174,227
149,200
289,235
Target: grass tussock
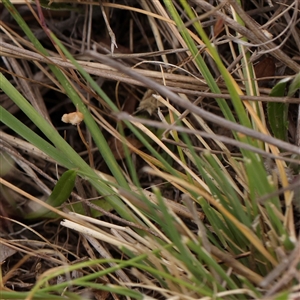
149,150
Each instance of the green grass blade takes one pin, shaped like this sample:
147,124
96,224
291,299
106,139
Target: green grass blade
59,195
277,112
239,108
295,85
22,130
88,119
63,152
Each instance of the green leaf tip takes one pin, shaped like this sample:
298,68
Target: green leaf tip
59,195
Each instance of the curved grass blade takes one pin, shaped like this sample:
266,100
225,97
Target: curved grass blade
59,195
73,95
277,112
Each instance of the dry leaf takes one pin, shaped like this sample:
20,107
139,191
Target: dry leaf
73,118
5,252
265,68
149,103
219,27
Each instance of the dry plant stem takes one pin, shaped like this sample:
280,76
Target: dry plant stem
171,27
33,95
27,147
286,263
38,253
87,146
292,271
103,71
163,90
155,31
4,138
110,32
292,26
100,69
40,202
297,139
114,217
58,27
105,254
106,72
141,205
16,155
237,266
40,18
224,139
81,192
243,97
19,245
14,53
255,35
201,228
97,233
260,10
27,167
295,186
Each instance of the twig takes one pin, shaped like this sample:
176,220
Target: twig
163,90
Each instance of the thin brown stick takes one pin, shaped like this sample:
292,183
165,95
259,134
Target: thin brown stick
254,34
163,90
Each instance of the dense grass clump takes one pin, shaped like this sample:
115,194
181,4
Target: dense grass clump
149,149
